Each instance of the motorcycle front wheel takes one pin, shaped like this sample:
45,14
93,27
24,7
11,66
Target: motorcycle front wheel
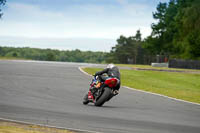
85,99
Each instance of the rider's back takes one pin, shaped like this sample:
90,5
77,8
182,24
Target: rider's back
114,72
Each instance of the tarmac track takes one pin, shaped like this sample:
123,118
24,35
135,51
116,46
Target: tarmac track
51,93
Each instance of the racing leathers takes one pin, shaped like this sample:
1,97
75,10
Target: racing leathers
111,72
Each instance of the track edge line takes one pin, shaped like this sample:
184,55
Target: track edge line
49,126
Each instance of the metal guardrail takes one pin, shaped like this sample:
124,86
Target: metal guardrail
187,64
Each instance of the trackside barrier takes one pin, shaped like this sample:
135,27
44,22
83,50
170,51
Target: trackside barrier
187,64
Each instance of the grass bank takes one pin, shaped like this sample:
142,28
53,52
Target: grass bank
157,68
184,86
11,58
11,127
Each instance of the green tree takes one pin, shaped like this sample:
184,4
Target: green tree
138,36
187,40
119,52
177,30
54,55
127,50
2,2
160,41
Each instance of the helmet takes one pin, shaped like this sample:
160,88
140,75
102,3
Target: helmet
110,66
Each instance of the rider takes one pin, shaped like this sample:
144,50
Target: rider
112,71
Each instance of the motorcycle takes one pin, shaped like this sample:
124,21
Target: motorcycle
101,91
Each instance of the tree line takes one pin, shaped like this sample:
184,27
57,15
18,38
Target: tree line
176,34
129,50
53,55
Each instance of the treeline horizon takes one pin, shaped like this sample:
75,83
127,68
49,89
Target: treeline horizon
176,34
53,54
177,30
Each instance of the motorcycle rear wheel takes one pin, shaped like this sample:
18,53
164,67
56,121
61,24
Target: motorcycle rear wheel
103,98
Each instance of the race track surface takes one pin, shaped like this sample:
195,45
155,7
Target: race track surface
51,93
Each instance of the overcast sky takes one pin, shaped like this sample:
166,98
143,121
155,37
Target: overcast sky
74,24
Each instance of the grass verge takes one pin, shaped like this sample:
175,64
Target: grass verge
11,58
12,127
185,86
156,68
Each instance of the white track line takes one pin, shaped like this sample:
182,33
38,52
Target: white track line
80,68
180,100
50,126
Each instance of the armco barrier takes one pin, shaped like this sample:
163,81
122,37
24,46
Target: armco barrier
187,64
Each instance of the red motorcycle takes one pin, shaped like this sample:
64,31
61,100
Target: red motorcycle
101,92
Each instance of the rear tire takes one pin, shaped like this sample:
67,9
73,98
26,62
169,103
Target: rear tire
85,99
104,97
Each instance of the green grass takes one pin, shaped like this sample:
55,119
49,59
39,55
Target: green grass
158,68
11,58
11,127
178,85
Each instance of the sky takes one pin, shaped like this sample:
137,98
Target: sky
74,24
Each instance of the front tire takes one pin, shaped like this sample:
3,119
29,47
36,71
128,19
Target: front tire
85,99
106,94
